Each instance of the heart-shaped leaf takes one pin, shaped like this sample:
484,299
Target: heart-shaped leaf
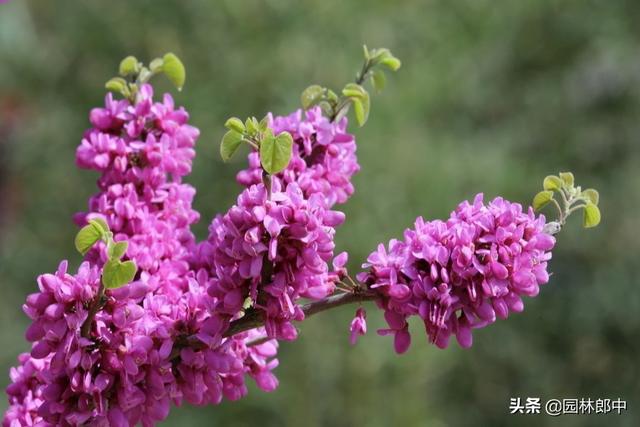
542,199
230,143
116,274
311,96
117,250
275,152
87,237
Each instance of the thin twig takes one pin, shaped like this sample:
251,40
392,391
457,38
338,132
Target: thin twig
85,329
254,319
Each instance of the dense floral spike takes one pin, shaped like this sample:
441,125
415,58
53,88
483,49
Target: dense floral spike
197,319
461,273
25,392
272,250
133,363
324,156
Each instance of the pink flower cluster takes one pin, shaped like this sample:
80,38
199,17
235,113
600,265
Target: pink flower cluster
136,359
271,250
324,156
462,273
122,357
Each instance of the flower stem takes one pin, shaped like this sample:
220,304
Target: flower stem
345,101
85,329
254,319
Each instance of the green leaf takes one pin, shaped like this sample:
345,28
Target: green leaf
128,66
391,63
352,90
592,195
116,274
361,109
156,65
264,124
101,224
567,178
235,124
332,96
116,84
252,125
230,143
591,216
379,54
552,183
378,80
275,153
174,70
311,96
117,250
87,237
367,55
542,199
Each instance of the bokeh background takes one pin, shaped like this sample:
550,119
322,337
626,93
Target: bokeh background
492,96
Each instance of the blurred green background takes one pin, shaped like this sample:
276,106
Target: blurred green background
492,96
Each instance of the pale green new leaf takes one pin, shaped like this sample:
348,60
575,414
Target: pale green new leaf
230,143
117,250
592,195
116,274
567,178
87,237
235,124
128,66
116,84
361,108
552,183
378,80
591,216
275,152
542,199
353,90
311,96
174,70
391,63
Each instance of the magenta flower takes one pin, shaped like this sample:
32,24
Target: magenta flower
460,274
324,156
272,251
358,325
134,362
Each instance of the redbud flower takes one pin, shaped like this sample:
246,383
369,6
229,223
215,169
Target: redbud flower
270,252
462,273
134,361
323,160
358,325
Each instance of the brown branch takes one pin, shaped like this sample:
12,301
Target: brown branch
96,303
254,319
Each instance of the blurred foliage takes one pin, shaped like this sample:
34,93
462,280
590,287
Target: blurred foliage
492,96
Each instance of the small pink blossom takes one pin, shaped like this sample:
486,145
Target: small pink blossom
358,325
